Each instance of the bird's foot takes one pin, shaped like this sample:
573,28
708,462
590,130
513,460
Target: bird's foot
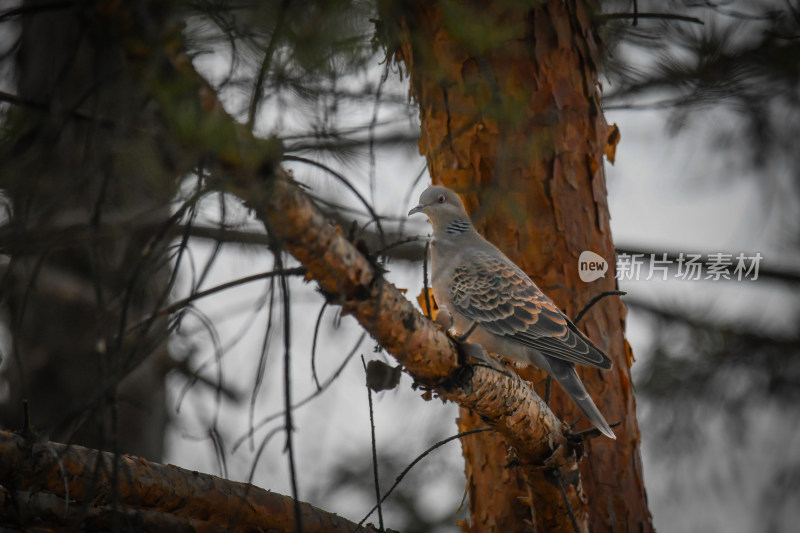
444,318
473,351
464,336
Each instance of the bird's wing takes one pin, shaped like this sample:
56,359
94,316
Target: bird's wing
495,293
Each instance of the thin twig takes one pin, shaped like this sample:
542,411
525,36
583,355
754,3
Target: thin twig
180,304
374,451
638,15
419,458
594,300
44,106
287,389
261,448
314,346
219,450
265,64
262,359
264,421
560,485
208,324
395,244
373,123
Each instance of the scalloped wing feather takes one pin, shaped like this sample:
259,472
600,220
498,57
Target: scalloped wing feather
504,300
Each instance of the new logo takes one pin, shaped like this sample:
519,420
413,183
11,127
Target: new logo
591,266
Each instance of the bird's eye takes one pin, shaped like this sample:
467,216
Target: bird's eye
441,199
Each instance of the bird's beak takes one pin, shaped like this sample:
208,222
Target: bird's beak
417,209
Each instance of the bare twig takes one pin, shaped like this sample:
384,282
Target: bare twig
265,64
570,512
374,451
266,420
593,301
314,345
411,465
180,304
639,15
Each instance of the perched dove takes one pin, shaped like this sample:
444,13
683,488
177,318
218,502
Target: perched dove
485,290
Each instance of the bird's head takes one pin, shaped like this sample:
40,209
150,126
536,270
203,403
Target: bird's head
442,206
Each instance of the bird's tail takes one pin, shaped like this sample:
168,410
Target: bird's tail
565,374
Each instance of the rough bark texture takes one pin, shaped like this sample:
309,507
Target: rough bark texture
57,487
510,116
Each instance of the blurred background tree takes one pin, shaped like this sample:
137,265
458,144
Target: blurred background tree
718,368
100,233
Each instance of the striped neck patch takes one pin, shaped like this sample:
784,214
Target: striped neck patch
458,226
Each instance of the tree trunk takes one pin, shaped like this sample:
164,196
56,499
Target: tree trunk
82,176
511,118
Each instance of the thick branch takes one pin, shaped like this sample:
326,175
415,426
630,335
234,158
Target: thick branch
62,485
